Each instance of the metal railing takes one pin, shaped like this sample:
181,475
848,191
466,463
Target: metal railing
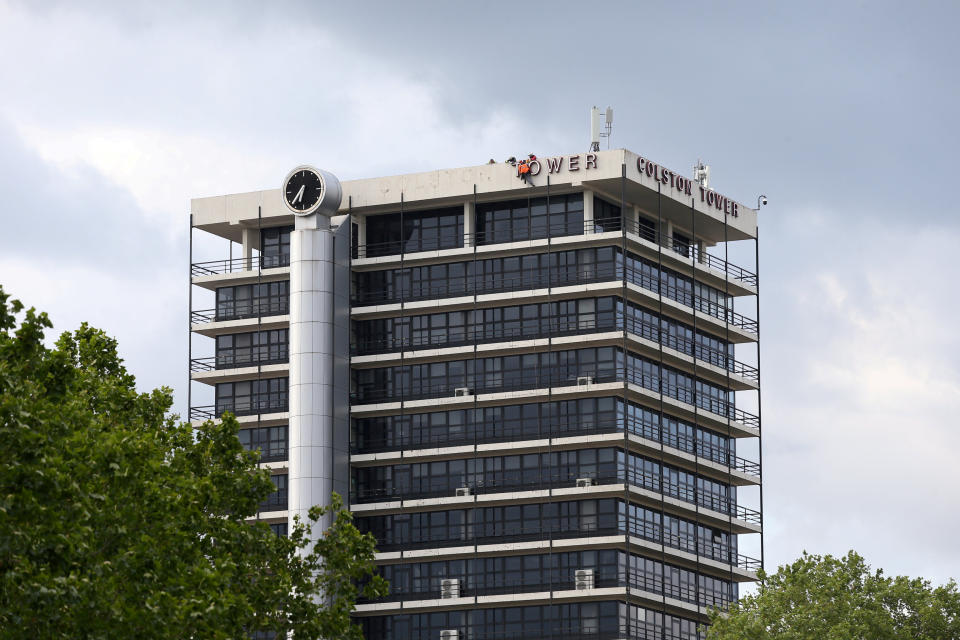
241,312
689,299
507,482
521,532
252,408
238,265
700,400
371,393
221,362
274,454
592,629
491,283
693,252
274,503
487,432
543,231
493,333
482,584
556,277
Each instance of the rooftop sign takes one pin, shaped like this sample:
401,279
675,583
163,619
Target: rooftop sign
688,187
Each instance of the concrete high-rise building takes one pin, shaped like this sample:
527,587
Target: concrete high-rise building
524,385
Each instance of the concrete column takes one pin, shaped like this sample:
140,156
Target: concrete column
587,211
469,223
666,234
249,239
312,352
361,235
633,221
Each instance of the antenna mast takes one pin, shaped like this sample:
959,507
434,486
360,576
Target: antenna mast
701,174
595,133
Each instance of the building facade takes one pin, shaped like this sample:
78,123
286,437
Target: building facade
526,389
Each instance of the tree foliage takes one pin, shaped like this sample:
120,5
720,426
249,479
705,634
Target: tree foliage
831,598
117,521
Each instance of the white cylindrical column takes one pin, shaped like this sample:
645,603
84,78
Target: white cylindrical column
311,385
587,211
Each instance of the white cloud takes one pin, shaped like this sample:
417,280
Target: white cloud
861,396
148,318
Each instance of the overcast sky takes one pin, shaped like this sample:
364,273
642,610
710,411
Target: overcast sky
844,114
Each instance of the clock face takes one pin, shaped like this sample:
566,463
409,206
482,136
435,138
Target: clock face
303,190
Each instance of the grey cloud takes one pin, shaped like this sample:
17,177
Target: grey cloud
842,113
53,215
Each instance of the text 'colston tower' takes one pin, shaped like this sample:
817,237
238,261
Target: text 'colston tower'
527,389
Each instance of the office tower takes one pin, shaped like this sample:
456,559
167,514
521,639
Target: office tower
524,384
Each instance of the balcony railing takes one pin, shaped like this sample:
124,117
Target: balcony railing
542,231
469,534
591,630
274,502
501,484
555,328
370,393
232,362
473,584
252,408
241,311
506,482
693,252
237,265
556,277
491,431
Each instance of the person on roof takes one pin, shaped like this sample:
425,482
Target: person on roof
523,170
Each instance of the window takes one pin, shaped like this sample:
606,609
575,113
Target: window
529,219
681,244
606,216
251,397
647,229
252,300
270,441
276,500
248,349
412,231
275,247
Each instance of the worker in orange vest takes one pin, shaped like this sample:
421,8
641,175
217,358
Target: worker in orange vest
523,168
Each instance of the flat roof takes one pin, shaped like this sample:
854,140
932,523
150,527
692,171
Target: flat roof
656,190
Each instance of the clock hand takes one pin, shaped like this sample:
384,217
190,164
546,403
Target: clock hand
299,195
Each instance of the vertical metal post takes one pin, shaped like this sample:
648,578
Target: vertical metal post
756,245
624,395
190,324
696,407
726,358
259,290
474,422
660,419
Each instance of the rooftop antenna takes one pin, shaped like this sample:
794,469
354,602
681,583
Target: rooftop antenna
595,133
701,174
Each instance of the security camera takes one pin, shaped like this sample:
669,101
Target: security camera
763,200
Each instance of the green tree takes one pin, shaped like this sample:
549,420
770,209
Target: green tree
827,598
117,521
